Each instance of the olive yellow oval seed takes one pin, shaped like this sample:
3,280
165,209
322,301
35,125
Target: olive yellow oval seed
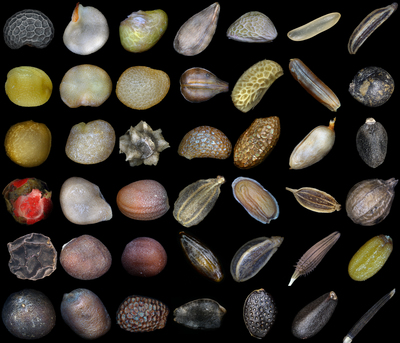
370,258
314,27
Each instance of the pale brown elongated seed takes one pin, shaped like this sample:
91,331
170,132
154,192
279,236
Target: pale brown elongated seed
197,200
313,85
315,200
368,25
314,27
314,256
367,316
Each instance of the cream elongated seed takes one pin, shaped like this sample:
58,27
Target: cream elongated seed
314,27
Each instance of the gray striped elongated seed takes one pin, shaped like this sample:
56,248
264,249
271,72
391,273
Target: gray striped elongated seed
259,313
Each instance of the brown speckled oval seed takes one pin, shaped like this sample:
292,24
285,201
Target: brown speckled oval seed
143,200
144,256
85,258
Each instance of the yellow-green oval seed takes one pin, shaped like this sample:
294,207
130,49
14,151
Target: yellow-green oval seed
370,258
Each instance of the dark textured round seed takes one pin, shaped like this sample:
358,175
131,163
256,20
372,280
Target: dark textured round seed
142,314
85,314
28,314
372,86
144,256
28,27
85,258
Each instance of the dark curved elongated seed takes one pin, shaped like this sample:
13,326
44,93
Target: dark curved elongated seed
368,316
314,256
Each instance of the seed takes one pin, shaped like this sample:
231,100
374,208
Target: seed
252,27
372,86
255,199
252,256
196,201
314,256
313,317
370,258
205,142
199,85
201,257
203,314
369,202
256,142
314,147
368,25
314,27
259,313
197,32
368,316
371,141
254,83
313,85
142,314
315,200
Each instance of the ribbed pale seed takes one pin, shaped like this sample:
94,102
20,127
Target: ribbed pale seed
370,258
252,27
197,200
205,142
315,200
314,27
254,83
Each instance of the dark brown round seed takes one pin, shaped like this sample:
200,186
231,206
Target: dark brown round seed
144,256
28,314
85,258
142,314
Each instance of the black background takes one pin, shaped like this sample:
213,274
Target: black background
228,225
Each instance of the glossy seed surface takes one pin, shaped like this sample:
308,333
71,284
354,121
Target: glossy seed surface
315,200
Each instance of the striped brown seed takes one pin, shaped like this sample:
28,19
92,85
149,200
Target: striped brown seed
315,200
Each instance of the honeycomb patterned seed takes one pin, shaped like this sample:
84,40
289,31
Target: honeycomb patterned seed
259,313
142,314
203,142
254,83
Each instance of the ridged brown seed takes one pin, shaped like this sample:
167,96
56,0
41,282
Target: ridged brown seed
315,200
257,142
205,142
142,314
371,141
368,25
252,256
313,85
259,313
313,317
201,257
197,32
196,201
199,84
369,202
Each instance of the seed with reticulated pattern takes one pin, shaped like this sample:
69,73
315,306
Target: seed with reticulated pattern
142,314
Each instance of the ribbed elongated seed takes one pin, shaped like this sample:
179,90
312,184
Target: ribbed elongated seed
315,200
314,256
368,25
367,316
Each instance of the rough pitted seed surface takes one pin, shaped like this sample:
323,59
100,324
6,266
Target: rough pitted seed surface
142,314
259,313
28,27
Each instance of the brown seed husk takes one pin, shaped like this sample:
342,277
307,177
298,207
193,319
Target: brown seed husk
315,200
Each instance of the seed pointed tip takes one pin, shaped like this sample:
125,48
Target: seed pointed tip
347,339
291,281
392,292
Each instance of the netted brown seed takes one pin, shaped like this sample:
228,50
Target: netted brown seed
259,313
142,314
315,200
196,201
257,142
369,202
197,32
199,84
371,141
205,142
32,257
